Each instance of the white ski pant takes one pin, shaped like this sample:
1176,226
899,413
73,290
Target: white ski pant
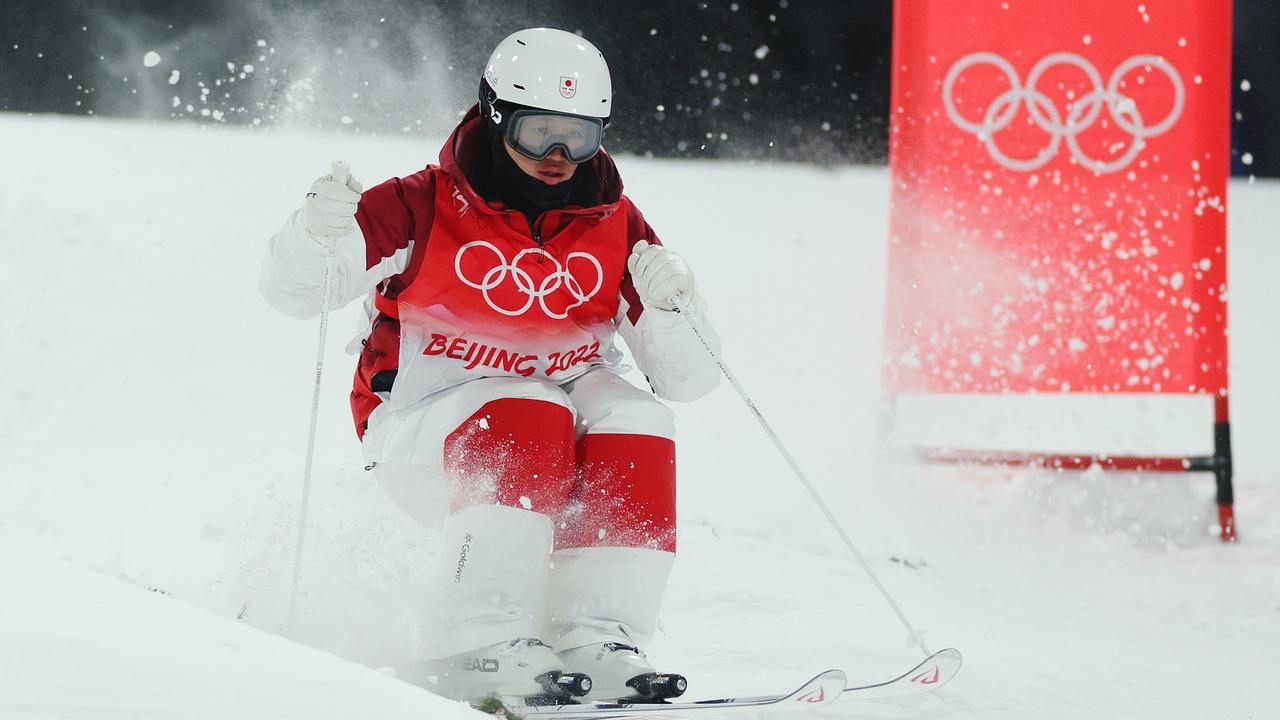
557,505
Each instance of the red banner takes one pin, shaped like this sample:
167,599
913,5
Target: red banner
1058,218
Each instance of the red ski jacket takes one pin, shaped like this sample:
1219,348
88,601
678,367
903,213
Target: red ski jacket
459,288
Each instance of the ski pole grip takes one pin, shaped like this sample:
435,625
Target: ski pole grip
341,171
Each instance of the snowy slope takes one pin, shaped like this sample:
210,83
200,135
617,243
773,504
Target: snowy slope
77,644
156,420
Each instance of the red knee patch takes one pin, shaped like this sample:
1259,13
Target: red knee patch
512,451
624,494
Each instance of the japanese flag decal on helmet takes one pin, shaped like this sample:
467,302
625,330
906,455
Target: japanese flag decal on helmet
553,70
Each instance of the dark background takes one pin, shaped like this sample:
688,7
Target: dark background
793,80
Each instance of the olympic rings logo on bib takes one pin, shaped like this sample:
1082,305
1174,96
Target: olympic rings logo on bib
1081,115
524,283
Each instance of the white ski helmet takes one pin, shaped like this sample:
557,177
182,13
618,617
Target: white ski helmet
552,70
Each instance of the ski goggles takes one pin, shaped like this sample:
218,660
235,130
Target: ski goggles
535,133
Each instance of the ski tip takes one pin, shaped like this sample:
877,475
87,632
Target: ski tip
951,654
949,658
820,691
937,669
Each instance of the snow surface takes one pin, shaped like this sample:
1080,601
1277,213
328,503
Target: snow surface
155,423
78,644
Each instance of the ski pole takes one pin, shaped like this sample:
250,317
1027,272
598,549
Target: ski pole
341,172
913,636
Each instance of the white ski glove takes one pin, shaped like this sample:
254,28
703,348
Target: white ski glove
330,209
659,275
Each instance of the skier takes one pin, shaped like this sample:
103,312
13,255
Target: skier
488,393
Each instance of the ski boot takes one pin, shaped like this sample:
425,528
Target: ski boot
524,671
622,673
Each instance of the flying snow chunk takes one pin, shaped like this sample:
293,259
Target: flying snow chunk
525,502
762,52
174,77
151,59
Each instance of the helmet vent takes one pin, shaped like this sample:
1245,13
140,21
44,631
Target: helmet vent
520,87
521,42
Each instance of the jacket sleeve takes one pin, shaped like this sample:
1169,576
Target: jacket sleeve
665,348
378,247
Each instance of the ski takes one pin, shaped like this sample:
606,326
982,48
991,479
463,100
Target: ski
931,674
825,689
